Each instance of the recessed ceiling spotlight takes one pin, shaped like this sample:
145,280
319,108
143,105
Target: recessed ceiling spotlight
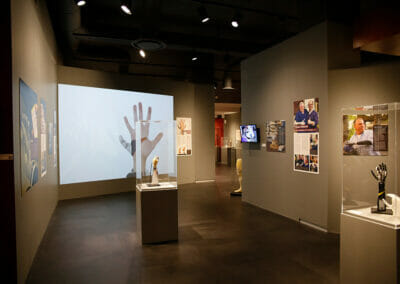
80,3
142,53
126,6
236,19
203,14
205,20
194,58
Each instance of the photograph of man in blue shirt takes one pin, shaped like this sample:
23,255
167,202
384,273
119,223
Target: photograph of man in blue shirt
301,117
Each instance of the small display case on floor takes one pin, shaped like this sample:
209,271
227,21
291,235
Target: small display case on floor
370,226
156,181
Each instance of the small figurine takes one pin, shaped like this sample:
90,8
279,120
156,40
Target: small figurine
238,192
380,175
154,177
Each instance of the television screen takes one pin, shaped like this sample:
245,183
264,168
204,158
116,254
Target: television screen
249,133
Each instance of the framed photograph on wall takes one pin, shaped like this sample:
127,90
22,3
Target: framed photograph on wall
183,136
306,135
366,134
43,138
276,137
29,137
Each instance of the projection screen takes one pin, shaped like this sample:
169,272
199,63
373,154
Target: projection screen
95,127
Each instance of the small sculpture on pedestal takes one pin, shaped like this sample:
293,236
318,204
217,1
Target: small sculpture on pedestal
238,192
154,176
380,175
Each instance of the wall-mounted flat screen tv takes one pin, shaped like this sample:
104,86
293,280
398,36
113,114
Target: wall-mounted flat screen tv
249,133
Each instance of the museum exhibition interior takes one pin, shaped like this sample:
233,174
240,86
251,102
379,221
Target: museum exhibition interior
224,141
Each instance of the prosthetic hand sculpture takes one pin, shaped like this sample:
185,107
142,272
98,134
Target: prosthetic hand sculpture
147,144
380,175
154,177
239,173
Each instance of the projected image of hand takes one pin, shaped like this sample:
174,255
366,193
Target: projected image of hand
147,144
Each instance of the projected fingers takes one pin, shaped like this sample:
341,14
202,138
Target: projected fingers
130,129
156,140
125,144
135,117
149,145
140,111
149,114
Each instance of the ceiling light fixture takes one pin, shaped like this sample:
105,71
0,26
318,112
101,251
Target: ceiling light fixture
236,19
80,3
126,6
142,53
228,83
203,14
194,58
205,20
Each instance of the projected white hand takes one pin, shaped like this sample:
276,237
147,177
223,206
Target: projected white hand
147,144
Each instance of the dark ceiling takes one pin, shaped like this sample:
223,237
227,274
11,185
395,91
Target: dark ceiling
99,35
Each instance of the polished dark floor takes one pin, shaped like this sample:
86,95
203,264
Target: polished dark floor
221,240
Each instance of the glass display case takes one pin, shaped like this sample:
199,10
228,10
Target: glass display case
226,142
156,162
370,164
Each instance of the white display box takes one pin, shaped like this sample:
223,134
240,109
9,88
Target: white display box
156,139
359,188
369,246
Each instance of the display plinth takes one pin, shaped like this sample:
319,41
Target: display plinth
369,251
157,214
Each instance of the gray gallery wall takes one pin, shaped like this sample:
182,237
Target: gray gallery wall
190,100
34,60
349,88
271,81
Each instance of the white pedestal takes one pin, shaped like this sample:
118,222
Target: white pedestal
157,213
369,251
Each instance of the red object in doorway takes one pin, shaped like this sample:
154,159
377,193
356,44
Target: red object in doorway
219,131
